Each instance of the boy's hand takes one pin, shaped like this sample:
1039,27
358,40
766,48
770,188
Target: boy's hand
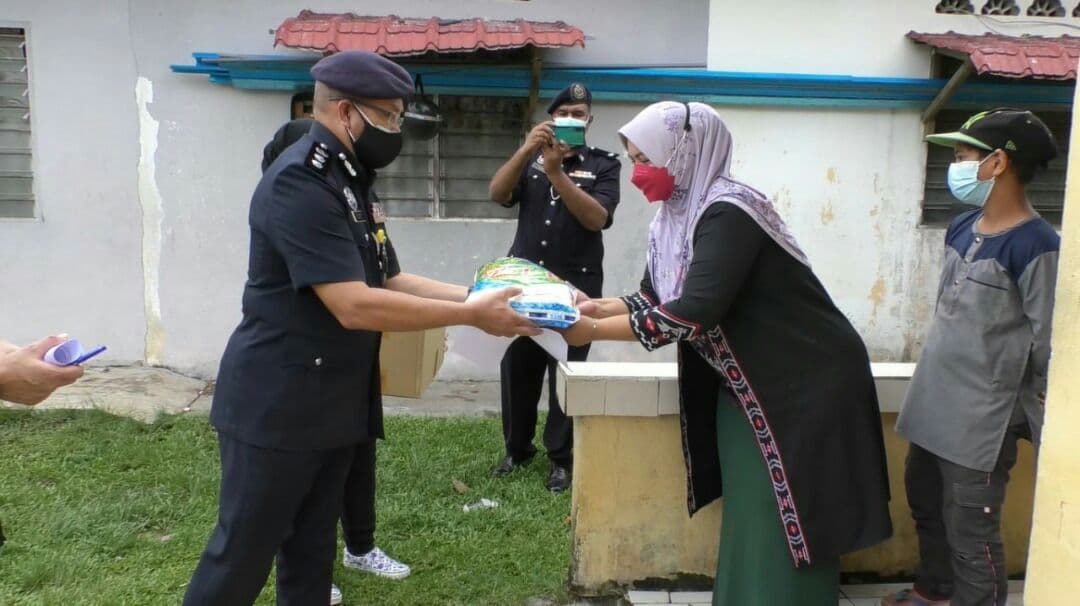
27,379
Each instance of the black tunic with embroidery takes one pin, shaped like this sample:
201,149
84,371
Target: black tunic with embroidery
755,321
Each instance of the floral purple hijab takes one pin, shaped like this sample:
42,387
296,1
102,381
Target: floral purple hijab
699,160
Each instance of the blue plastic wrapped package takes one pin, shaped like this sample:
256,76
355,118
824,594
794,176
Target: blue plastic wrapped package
545,298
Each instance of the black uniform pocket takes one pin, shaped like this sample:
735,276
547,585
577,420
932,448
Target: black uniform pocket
308,366
976,514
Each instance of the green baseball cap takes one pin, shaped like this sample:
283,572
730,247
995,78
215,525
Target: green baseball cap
1019,132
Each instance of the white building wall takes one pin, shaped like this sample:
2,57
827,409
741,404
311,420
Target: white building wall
142,238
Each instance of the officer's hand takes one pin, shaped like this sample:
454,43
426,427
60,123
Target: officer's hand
491,313
553,157
542,134
27,379
581,333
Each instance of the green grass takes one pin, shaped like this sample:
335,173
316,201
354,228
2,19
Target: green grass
104,510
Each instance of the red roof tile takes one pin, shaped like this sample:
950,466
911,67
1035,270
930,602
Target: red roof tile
1012,56
396,36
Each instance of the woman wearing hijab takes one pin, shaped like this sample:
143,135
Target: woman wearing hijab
775,384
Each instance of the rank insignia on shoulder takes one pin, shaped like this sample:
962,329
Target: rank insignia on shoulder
318,156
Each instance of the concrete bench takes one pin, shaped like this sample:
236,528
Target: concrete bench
629,490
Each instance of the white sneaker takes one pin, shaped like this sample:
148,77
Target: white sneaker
378,563
335,596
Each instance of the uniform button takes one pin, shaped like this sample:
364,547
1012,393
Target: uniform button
553,203
535,177
318,361
541,261
956,282
978,239
543,242
547,221
583,270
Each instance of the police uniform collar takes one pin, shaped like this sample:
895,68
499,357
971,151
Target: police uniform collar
321,134
338,150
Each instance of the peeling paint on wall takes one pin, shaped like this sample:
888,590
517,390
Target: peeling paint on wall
152,215
877,297
827,215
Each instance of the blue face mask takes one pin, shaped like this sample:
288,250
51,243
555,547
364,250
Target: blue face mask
964,182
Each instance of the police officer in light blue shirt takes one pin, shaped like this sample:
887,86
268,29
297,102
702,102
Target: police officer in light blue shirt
298,387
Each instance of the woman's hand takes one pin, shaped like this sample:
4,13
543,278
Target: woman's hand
586,305
581,333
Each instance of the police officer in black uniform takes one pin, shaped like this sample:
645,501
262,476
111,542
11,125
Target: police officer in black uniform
298,388
566,197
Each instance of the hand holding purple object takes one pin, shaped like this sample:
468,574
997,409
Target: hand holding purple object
70,353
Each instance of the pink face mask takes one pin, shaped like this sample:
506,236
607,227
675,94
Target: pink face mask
654,181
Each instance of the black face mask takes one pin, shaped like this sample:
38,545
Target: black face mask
376,148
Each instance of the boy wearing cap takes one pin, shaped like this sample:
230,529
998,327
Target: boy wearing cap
981,381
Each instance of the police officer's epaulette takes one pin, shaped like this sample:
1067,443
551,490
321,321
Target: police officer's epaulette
596,151
318,156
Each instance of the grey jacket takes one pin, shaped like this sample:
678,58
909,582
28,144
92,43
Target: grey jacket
985,362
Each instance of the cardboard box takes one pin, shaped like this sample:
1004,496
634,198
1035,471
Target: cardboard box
409,361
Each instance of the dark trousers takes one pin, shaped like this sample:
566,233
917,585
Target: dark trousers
522,374
273,503
358,515
957,513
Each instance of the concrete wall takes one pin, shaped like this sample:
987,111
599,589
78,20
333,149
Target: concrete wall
848,37
1055,535
143,176
630,522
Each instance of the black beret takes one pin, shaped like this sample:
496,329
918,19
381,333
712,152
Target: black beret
364,75
575,93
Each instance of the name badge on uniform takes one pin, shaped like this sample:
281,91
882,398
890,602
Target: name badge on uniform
354,206
378,215
582,174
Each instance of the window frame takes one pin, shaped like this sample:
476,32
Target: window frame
22,29
300,105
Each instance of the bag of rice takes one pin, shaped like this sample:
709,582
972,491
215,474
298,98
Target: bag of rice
545,298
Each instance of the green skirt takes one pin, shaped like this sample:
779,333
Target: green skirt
755,566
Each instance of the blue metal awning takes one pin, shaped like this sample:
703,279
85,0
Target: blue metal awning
289,73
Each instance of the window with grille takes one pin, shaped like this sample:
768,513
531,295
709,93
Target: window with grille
955,7
16,174
1046,192
1008,8
447,177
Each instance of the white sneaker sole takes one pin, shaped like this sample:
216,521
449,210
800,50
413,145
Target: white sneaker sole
386,575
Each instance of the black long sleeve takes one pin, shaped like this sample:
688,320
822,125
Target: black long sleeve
726,245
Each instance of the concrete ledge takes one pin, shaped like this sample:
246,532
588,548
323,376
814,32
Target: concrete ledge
628,511
651,389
